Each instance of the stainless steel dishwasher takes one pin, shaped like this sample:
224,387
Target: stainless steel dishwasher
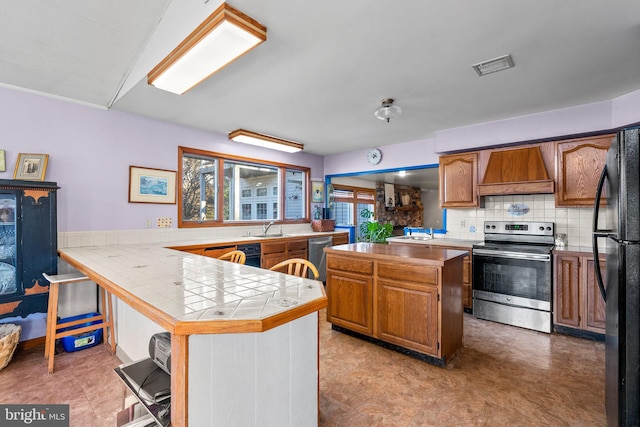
317,255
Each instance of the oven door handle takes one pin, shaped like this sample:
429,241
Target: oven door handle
517,255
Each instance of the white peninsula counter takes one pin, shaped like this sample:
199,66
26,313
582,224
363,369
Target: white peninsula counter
244,340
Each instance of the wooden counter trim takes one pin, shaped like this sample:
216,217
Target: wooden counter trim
179,327
179,380
249,240
241,326
432,256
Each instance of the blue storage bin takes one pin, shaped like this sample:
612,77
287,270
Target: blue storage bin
84,340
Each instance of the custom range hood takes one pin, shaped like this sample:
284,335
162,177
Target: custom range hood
516,171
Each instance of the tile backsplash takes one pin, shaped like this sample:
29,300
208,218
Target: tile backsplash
468,223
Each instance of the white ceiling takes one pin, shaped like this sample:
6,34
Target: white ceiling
326,65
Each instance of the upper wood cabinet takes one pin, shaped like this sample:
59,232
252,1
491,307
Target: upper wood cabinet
579,163
459,181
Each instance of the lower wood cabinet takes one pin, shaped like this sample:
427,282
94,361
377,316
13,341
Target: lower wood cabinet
274,252
578,304
218,251
297,248
340,239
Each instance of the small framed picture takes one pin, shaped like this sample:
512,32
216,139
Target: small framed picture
31,167
3,166
317,192
148,185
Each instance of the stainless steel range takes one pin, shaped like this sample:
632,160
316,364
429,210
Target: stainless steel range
512,274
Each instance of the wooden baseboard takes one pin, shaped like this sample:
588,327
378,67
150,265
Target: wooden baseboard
32,343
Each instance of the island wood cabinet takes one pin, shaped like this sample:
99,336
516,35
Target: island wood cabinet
578,304
579,164
351,291
403,301
467,270
408,306
459,180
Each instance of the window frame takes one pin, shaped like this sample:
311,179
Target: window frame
220,161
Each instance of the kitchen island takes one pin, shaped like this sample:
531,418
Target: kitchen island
404,297
244,341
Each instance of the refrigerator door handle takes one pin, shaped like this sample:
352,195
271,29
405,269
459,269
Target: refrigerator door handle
596,204
598,233
596,264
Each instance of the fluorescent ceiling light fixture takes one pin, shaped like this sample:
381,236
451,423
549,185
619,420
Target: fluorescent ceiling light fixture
265,141
224,36
402,173
493,65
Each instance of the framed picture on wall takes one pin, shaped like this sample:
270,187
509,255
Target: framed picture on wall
148,185
317,192
31,167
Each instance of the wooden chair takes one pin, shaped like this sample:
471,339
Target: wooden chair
234,256
297,267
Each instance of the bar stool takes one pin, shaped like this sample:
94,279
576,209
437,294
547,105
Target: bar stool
105,318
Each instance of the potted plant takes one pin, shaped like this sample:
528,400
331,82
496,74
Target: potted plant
373,231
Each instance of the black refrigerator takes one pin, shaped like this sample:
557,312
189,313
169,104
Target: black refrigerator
617,230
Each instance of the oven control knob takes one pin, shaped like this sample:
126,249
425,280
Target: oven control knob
488,226
493,227
548,228
541,228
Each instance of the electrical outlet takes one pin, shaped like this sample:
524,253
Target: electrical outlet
463,223
147,223
164,222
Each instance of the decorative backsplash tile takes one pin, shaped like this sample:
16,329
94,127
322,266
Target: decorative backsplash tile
576,223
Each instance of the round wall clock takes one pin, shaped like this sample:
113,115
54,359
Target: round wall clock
374,156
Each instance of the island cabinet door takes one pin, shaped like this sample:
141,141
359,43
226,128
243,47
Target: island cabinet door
350,293
408,306
408,315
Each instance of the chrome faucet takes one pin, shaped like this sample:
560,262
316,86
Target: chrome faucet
265,227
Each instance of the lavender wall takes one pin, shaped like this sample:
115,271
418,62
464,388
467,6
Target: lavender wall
597,116
407,154
90,151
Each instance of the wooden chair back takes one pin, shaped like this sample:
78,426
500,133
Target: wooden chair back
234,256
297,267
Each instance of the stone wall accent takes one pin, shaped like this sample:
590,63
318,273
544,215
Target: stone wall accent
404,216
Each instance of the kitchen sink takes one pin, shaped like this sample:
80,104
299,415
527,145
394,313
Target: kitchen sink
413,238
266,236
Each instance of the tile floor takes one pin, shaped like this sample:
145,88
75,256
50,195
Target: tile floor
504,376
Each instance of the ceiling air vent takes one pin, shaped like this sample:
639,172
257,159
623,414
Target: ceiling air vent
493,65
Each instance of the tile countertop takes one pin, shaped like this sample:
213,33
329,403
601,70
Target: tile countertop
183,291
579,249
419,240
